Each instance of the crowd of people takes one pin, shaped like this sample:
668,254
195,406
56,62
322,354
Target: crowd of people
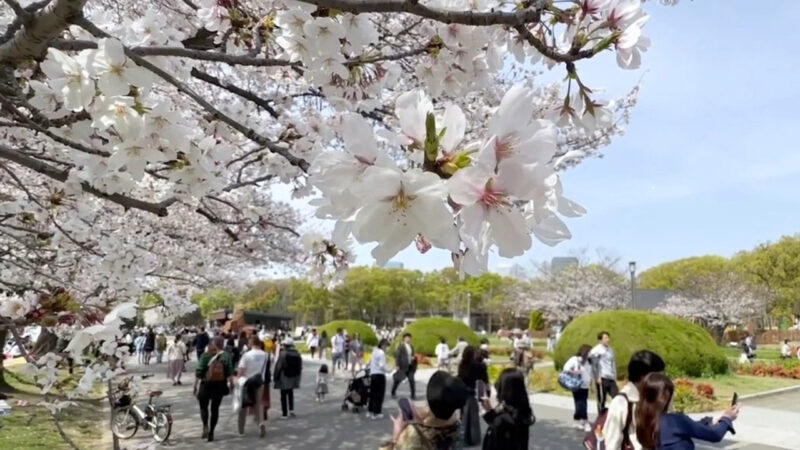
249,364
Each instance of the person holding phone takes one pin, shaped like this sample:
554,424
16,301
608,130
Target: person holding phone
661,430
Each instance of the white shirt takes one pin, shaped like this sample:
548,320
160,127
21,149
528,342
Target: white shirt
176,351
617,415
786,350
604,361
252,362
338,343
442,351
574,364
312,341
377,362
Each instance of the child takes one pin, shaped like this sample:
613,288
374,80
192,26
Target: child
322,383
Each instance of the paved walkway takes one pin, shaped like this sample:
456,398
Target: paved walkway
325,426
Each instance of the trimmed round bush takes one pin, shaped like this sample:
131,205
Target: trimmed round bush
425,334
352,327
686,348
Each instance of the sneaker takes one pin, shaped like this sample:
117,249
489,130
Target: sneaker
586,427
370,415
291,414
284,417
378,416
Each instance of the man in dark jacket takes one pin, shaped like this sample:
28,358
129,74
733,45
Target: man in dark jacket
406,365
201,342
286,375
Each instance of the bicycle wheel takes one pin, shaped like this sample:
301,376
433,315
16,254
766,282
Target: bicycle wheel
162,426
124,423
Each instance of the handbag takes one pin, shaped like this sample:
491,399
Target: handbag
569,381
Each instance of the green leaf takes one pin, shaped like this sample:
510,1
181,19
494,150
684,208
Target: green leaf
431,139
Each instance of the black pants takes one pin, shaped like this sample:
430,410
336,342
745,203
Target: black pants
399,379
287,401
377,390
606,389
580,396
210,394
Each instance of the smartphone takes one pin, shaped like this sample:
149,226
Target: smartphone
480,386
735,399
405,409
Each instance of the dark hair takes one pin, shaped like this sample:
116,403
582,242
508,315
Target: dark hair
461,338
442,340
484,340
383,343
339,330
643,363
601,334
323,368
323,334
467,358
511,390
405,335
255,341
583,352
655,393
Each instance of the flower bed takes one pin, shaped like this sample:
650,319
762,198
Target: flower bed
789,369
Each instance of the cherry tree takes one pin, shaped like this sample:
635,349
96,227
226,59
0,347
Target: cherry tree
563,294
718,302
140,141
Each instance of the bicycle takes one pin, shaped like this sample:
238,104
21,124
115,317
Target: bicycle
127,417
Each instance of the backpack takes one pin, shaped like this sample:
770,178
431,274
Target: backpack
590,440
293,364
216,370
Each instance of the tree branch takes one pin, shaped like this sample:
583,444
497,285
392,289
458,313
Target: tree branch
32,40
244,93
466,17
159,209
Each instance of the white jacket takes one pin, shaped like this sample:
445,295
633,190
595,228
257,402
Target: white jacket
617,415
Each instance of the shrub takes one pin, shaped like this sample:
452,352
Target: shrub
790,369
500,350
352,327
536,321
544,381
425,334
687,349
686,399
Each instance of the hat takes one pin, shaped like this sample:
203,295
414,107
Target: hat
446,394
288,341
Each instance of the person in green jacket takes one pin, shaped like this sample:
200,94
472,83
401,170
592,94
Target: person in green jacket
161,346
213,380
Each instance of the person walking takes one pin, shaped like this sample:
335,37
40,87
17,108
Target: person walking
213,380
357,353
456,352
442,353
288,370
346,352
620,425
604,370
656,428
149,345
201,342
176,354
509,421
377,378
580,366
337,344
406,366
139,344
161,346
312,342
471,371
323,344
252,370
786,350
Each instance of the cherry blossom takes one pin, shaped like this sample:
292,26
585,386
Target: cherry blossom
115,73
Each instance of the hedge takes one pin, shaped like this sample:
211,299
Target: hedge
687,349
425,334
352,327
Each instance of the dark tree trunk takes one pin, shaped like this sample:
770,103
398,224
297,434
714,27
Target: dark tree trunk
47,342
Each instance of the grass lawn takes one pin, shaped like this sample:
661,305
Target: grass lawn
762,352
32,427
726,385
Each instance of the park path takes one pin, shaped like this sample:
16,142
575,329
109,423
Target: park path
325,426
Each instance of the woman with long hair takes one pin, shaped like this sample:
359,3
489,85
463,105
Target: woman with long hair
510,421
213,380
580,366
658,429
470,370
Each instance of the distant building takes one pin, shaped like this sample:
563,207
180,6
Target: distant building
649,299
562,262
393,265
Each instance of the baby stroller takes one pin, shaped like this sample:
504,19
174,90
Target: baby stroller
357,392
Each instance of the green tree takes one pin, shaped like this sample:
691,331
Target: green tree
776,266
536,321
215,299
677,275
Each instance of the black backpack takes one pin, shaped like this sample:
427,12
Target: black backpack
293,364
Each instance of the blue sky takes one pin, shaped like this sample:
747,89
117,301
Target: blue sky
708,164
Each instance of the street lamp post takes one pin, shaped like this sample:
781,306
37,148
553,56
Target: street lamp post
632,268
469,301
